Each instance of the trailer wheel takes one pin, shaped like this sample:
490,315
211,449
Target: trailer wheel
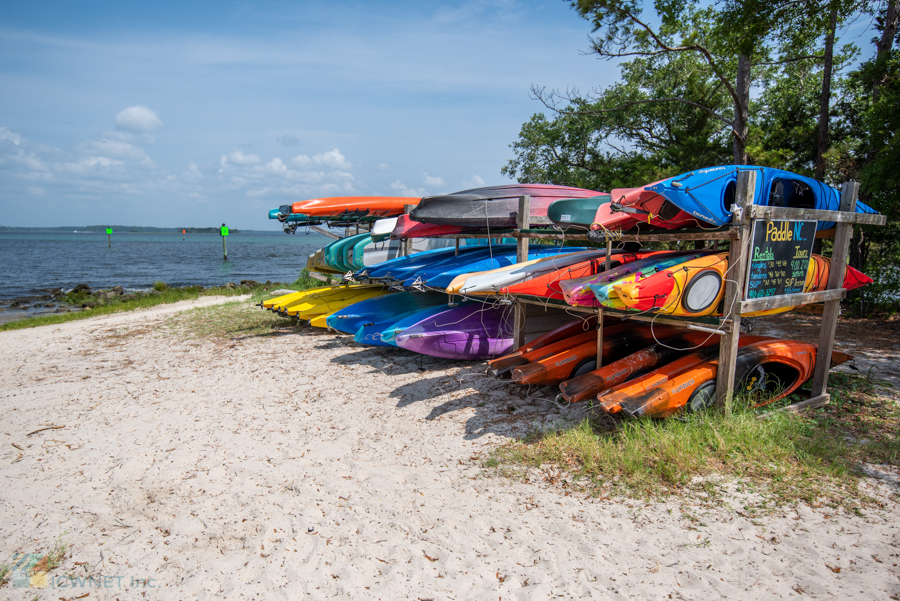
586,366
702,398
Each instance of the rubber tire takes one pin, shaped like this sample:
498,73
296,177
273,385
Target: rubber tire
586,366
759,373
702,398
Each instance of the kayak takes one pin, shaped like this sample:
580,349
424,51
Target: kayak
328,302
492,207
607,295
502,365
494,280
470,332
384,332
765,372
708,194
576,212
381,229
648,206
442,274
349,319
278,301
408,228
387,270
357,205
643,361
696,288
577,292
582,358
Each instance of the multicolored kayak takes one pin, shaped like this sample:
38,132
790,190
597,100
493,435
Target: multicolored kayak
492,207
695,288
349,319
494,280
707,194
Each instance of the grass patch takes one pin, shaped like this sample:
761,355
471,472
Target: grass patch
228,322
814,458
161,295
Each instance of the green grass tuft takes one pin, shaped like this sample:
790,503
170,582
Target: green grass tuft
813,458
160,286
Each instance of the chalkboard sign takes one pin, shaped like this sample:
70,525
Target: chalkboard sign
780,252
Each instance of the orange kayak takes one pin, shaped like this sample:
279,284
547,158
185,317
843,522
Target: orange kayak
384,206
502,365
767,371
582,358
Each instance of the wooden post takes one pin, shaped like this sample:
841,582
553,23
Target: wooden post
522,222
457,248
849,193
607,266
734,284
406,245
599,338
224,248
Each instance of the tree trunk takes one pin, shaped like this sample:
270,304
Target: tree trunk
742,111
824,105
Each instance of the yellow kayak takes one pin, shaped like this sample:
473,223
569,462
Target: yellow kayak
279,301
330,301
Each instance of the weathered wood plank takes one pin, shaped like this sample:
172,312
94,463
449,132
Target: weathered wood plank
849,194
737,268
811,403
521,255
842,216
325,232
789,300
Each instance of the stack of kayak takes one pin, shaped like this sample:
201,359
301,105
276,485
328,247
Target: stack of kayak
457,301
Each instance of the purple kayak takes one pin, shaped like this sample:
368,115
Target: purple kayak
473,331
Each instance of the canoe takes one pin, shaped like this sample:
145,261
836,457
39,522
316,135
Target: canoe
582,358
765,372
577,292
469,332
576,213
358,205
349,319
640,362
708,194
696,288
492,207
494,280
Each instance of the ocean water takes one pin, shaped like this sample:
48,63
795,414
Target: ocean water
32,262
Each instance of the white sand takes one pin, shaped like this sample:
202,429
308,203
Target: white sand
304,464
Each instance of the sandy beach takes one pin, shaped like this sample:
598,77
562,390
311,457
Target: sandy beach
306,466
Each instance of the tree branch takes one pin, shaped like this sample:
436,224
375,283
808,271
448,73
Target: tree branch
657,101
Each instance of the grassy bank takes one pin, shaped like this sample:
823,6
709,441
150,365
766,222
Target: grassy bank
814,458
161,295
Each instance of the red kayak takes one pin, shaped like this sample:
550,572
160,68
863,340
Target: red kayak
407,228
504,364
652,208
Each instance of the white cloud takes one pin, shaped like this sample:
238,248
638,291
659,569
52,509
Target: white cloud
383,166
239,158
333,159
475,182
13,137
138,119
433,181
401,189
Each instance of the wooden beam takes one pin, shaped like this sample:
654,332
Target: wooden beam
849,194
522,221
631,236
325,232
813,403
734,282
318,276
842,216
599,338
406,245
791,300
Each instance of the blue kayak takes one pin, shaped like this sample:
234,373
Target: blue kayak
384,333
351,318
467,254
387,268
441,274
709,193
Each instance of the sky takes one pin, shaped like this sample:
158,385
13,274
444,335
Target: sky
196,113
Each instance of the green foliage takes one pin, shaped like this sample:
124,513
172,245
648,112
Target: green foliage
160,286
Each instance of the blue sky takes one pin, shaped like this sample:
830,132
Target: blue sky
195,113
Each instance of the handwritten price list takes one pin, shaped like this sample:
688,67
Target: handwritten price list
780,252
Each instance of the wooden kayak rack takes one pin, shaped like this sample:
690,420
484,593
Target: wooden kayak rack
737,234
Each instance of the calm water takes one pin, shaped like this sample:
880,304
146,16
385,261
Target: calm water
32,262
